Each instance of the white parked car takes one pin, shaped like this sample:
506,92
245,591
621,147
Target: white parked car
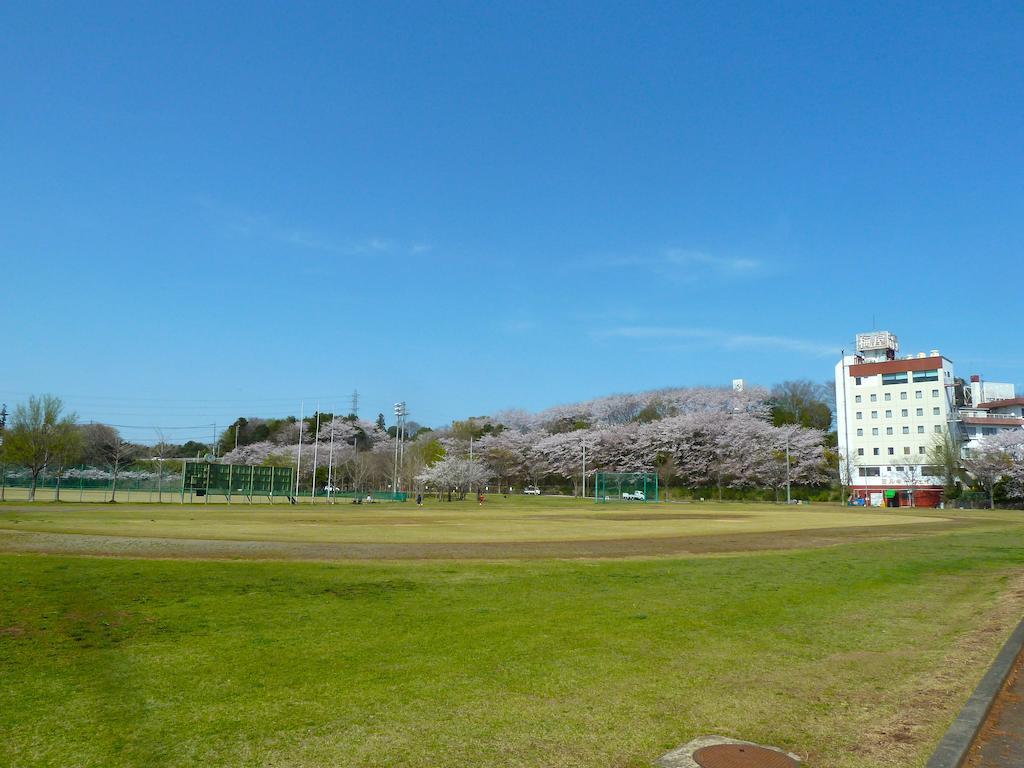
531,490
634,496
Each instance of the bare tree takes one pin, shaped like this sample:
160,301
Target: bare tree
37,430
104,445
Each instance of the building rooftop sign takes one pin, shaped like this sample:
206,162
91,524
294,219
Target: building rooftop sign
877,340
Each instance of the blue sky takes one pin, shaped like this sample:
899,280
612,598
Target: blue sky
215,209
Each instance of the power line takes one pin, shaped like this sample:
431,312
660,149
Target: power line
150,426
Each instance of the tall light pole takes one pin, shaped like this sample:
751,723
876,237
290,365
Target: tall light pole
316,446
399,426
330,463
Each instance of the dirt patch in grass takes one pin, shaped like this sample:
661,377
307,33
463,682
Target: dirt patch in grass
938,698
629,516
654,546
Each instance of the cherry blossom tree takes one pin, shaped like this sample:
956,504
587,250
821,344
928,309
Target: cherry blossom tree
996,458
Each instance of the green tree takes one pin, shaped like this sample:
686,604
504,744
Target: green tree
38,431
192,449
67,449
944,453
801,402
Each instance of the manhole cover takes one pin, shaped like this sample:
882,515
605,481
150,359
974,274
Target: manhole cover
742,756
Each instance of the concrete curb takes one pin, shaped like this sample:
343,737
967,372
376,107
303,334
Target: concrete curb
955,745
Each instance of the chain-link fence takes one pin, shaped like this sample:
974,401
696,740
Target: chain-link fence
199,482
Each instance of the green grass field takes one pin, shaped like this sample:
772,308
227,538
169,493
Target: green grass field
527,632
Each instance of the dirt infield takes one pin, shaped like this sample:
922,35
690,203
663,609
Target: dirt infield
152,547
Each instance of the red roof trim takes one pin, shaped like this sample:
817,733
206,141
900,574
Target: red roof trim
995,421
897,366
1001,403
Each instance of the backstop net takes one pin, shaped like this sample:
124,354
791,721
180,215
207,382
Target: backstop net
625,486
201,478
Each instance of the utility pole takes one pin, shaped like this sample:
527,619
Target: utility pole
845,471
584,469
3,466
788,497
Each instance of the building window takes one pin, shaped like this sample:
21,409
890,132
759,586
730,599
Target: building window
906,450
874,398
919,411
935,411
874,414
869,471
922,450
860,415
888,395
926,376
935,393
894,378
856,398
874,451
918,394
888,430
892,451
860,432
857,380
860,451
874,431
888,414
920,429
903,395
988,430
906,430
938,428
904,413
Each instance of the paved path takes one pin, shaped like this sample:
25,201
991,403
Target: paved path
1000,744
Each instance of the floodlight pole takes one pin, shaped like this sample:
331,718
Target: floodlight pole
330,462
398,420
316,445
298,457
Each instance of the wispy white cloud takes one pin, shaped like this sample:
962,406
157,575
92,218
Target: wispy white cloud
721,338
692,265
243,224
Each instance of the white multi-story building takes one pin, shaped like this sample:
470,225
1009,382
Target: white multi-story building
891,410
